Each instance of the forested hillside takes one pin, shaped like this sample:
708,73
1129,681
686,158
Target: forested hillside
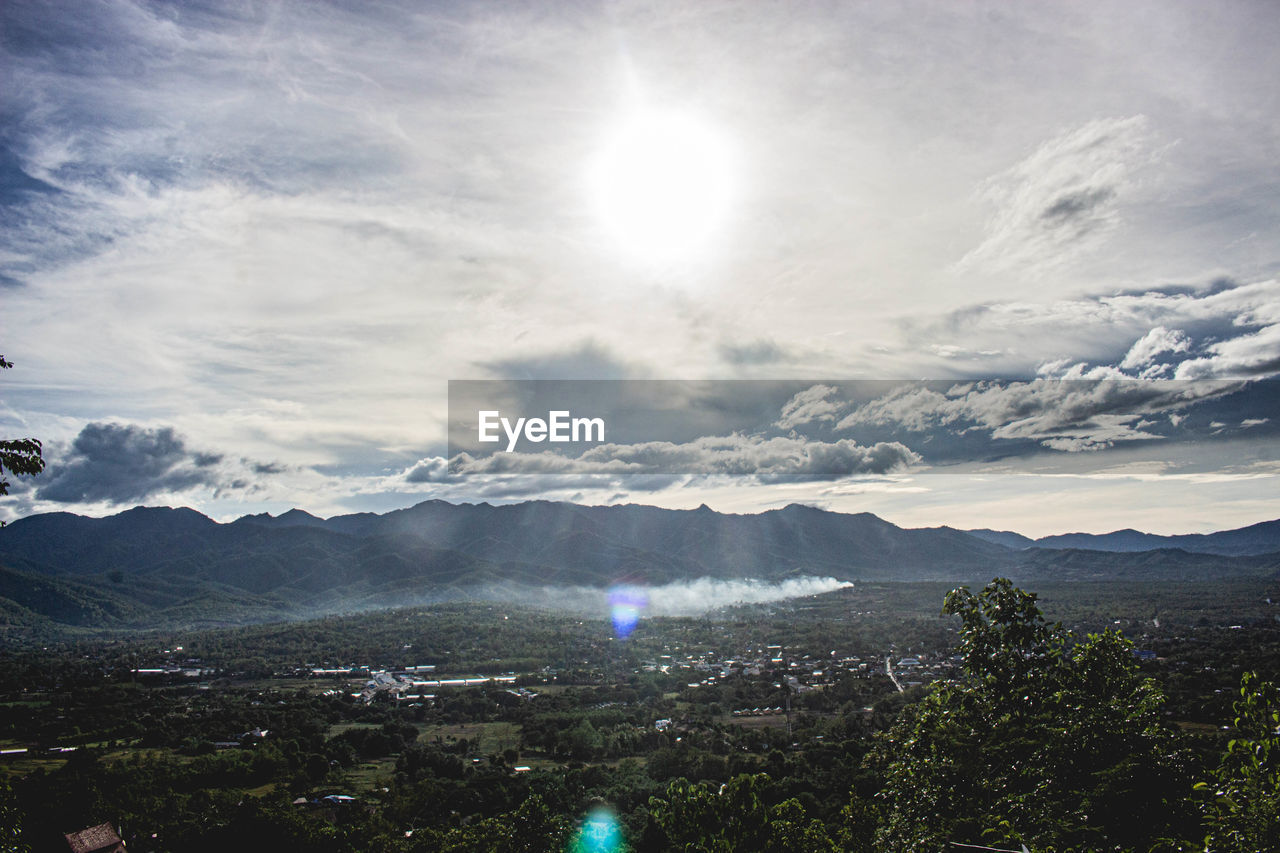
161,566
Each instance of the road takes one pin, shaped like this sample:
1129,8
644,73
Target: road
888,669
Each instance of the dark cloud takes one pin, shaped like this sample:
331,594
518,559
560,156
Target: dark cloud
121,463
1063,197
762,351
1214,287
777,459
588,360
1076,205
434,469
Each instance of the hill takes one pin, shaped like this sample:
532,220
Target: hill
1261,538
156,564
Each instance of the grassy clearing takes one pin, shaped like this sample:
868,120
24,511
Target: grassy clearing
21,765
368,775
775,721
339,728
261,790
487,737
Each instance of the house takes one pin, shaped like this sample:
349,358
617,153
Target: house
96,839
339,800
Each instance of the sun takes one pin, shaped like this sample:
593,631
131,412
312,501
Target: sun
661,184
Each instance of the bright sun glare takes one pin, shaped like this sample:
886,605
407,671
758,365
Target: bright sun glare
661,184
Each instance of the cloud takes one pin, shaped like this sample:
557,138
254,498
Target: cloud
1155,342
1060,414
289,224
953,351
588,360
1222,329
810,405
568,486
1076,206
121,463
754,353
1063,197
434,469
778,459
1256,354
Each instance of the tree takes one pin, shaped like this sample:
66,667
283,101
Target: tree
1046,741
11,840
531,828
705,818
1243,812
19,456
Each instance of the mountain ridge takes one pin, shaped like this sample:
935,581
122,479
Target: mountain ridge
156,560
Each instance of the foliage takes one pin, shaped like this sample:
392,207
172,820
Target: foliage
21,456
1243,812
1045,742
704,818
531,828
11,836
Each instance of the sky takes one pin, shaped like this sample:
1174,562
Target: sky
246,247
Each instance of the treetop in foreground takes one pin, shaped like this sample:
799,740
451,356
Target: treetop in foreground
1048,740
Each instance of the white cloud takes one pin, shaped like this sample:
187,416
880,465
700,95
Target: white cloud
1256,354
1155,342
1062,198
1069,414
1216,328
812,404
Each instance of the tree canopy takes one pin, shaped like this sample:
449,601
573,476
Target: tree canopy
1047,740
21,456
1243,812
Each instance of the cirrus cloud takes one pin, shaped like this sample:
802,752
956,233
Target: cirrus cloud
1063,197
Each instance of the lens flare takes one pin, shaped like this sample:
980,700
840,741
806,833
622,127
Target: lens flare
626,603
599,833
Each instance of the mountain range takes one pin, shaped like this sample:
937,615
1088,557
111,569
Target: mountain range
156,565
